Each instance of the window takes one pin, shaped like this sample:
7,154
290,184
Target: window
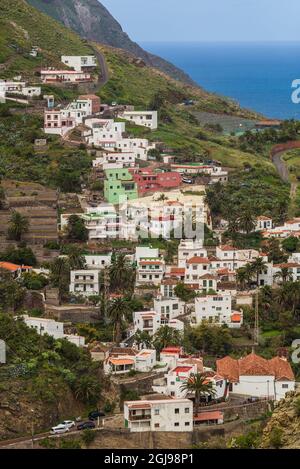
285,386
176,411
187,410
156,411
176,424
156,425
187,424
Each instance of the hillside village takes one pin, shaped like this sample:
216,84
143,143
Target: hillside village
135,268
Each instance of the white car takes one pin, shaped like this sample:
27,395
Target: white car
59,429
68,423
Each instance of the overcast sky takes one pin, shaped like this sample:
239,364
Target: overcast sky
208,20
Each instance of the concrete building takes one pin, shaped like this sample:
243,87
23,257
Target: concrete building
216,309
119,186
169,308
264,223
146,321
168,415
64,76
143,118
149,181
80,62
84,282
53,328
97,261
189,248
150,270
255,376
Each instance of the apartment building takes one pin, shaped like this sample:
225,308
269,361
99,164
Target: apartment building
84,282
216,309
80,62
143,118
168,415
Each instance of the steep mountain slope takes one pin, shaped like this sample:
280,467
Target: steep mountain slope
21,27
283,428
91,20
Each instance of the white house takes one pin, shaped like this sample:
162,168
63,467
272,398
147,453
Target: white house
84,282
150,270
168,415
255,376
264,223
127,159
145,360
189,248
98,261
144,252
79,62
53,328
175,379
64,76
195,268
146,321
45,326
104,133
143,118
169,308
139,146
170,355
216,309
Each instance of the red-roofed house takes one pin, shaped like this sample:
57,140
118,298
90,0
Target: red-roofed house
255,376
14,270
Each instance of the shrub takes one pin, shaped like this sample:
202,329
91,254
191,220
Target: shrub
275,438
88,436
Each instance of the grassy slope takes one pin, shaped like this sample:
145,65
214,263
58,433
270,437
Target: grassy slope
131,83
21,27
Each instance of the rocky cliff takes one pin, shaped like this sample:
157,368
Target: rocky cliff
283,428
92,21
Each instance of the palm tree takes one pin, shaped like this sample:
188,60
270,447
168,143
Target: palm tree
258,266
18,225
142,338
198,384
60,275
246,221
284,275
75,255
166,336
122,273
242,277
118,311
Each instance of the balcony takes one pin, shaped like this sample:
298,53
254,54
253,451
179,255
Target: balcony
139,417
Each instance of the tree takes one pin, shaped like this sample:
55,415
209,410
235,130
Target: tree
184,293
34,281
274,251
242,277
246,221
76,229
142,338
87,389
75,255
290,244
60,275
258,266
118,311
197,383
121,273
166,336
18,226
21,256
284,275
11,293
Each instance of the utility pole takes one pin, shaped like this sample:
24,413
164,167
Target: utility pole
256,320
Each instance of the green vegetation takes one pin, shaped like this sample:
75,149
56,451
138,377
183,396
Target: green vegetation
23,27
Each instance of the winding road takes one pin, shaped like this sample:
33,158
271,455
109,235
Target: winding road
276,155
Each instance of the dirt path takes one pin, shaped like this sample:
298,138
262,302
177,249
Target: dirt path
281,166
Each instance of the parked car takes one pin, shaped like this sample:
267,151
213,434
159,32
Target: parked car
68,423
59,429
95,414
85,425
186,180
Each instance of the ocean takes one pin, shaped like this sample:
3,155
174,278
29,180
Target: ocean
257,75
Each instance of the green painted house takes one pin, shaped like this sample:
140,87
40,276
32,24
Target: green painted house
118,185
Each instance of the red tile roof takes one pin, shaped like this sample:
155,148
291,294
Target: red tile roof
182,369
198,260
212,415
9,266
254,365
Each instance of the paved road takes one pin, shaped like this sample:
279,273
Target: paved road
281,166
